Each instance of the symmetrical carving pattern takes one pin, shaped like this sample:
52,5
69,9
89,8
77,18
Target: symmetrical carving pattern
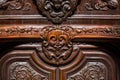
57,46
15,5
91,71
22,71
33,31
57,10
101,4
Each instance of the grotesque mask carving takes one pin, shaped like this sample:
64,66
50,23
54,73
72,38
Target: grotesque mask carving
57,48
57,10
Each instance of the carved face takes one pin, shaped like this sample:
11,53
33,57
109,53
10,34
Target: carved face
57,47
57,10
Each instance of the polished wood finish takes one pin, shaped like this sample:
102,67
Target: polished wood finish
59,40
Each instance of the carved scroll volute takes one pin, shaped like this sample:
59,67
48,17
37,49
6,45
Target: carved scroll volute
57,10
57,48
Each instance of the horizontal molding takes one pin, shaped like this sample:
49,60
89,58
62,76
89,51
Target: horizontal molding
95,17
7,17
16,32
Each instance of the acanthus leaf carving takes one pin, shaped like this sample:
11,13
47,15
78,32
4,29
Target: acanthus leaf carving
15,5
91,71
57,10
101,5
23,71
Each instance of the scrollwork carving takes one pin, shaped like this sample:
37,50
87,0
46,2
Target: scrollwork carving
72,32
57,10
57,46
102,5
22,71
91,71
15,5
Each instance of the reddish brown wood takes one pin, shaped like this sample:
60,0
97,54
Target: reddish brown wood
59,40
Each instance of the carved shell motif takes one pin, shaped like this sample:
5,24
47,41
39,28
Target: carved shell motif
57,10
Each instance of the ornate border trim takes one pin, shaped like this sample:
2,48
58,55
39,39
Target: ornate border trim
37,32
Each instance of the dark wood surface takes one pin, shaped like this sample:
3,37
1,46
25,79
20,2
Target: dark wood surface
60,40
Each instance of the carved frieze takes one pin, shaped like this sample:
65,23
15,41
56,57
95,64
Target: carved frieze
57,10
72,32
101,5
15,5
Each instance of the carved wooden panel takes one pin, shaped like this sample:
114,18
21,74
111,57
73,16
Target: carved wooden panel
34,62
59,39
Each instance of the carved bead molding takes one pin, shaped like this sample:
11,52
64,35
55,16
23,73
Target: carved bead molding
15,5
101,4
57,10
23,71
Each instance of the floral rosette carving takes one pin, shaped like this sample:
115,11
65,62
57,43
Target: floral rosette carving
57,10
57,47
